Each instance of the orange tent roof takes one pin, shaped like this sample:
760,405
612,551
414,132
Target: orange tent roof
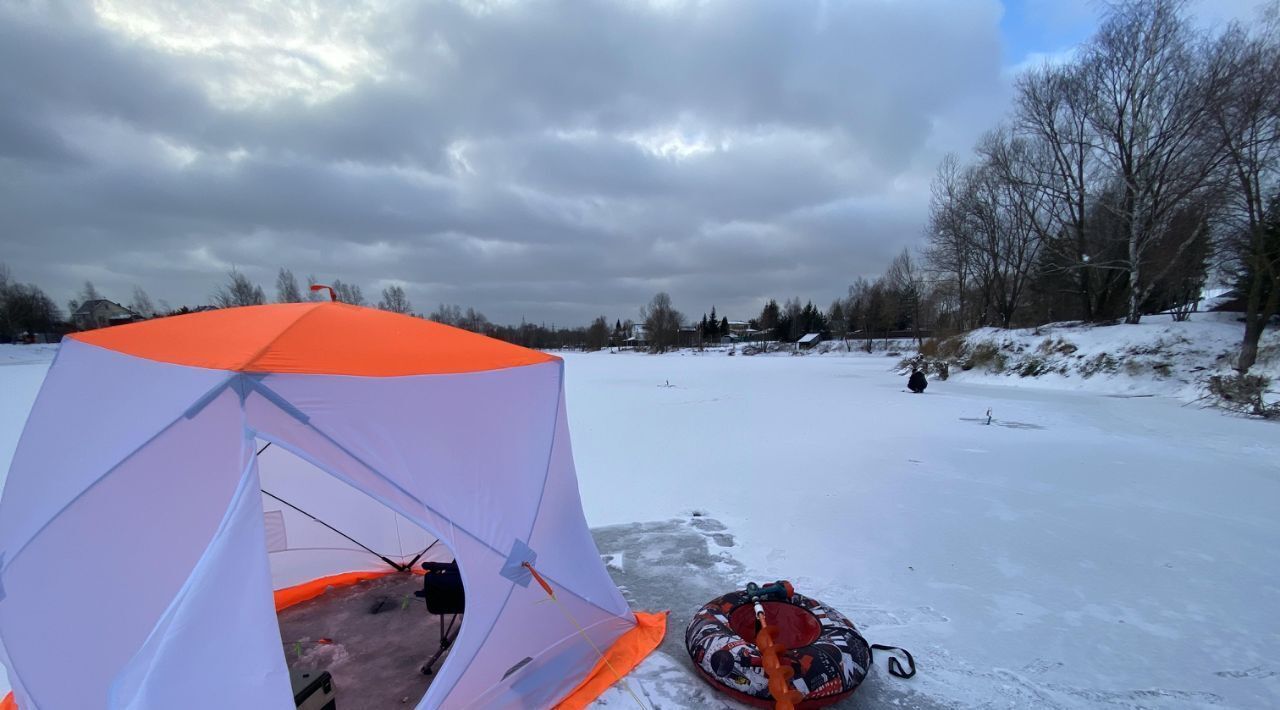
312,338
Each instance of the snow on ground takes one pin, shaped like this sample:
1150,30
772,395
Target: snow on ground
1081,551
22,369
1155,357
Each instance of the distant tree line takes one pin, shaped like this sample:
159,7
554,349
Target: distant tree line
1120,181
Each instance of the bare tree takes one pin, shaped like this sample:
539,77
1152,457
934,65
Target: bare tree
1053,106
312,294
1260,274
598,334
1012,218
348,293
950,254
395,300
6,284
449,314
87,293
238,291
475,321
987,225
906,281
661,323
287,290
141,303
27,309
838,319
1245,113
1150,114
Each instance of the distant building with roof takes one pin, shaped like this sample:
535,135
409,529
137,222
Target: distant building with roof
100,313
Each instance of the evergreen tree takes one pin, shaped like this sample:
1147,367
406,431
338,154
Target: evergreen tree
769,316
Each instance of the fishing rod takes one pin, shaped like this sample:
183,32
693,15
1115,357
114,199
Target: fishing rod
394,565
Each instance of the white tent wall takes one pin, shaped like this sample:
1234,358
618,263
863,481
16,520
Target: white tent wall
84,590
583,587
219,626
150,541
89,416
305,549
479,459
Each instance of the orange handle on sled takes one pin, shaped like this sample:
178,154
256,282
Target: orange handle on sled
785,696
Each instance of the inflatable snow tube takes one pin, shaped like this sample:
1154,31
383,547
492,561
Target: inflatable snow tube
827,654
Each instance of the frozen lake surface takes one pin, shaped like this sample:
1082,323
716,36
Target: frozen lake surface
1084,550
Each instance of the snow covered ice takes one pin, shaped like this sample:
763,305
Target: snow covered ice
1083,551
1095,551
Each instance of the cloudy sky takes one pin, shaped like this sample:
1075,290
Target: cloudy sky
550,160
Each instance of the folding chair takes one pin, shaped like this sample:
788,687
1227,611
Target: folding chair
442,590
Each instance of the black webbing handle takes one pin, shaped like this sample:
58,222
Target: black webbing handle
895,668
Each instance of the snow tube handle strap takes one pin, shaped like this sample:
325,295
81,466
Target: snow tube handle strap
895,668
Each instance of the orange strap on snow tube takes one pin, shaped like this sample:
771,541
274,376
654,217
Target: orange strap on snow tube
785,695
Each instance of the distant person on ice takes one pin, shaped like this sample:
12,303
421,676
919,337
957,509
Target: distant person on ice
917,383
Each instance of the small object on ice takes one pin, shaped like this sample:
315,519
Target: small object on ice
917,382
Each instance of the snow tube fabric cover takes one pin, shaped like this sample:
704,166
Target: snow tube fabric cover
826,652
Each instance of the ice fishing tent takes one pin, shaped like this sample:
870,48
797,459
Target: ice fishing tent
134,564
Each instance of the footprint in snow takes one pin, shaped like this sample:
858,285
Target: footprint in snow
1255,672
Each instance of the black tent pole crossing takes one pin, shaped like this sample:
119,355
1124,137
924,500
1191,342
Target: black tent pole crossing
396,566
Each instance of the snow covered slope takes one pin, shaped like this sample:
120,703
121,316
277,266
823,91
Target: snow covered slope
1155,357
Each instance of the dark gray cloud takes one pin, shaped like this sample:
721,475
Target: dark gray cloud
550,159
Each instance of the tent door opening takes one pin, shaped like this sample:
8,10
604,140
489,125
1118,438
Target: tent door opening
348,574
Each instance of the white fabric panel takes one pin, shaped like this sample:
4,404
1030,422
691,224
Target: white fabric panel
90,587
487,593
315,551
562,527
284,430
468,456
218,645
471,444
530,626
169,596
277,536
95,409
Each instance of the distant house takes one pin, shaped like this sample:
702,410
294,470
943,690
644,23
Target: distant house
639,338
741,331
100,313
808,340
689,336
